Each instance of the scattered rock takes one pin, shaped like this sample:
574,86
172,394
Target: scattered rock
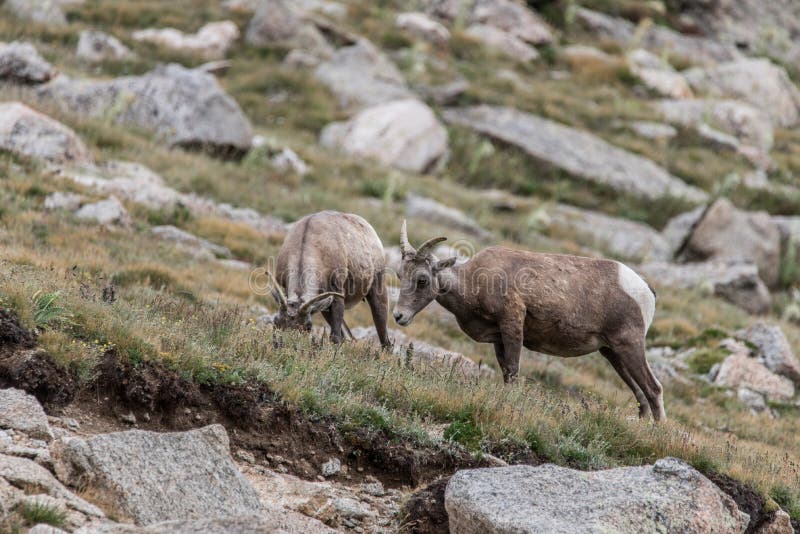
727,233
579,56
655,38
653,130
622,238
779,523
106,212
360,75
423,27
151,477
278,22
96,46
39,11
758,82
447,93
741,370
21,63
753,400
197,245
735,282
749,125
63,201
273,519
667,496
437,213
502,42
513,18
404,134
185,107
773,347
679,228
426,354
212,41
28,133
22,412
579,153
22,472
331,468
287,160
658,75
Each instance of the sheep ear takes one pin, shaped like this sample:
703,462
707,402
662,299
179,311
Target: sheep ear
444,264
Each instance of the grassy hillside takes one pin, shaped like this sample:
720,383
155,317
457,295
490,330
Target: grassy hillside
200,317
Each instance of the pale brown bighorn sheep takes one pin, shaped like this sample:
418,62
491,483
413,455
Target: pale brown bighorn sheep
557,304
330,261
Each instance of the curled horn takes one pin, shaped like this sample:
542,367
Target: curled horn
306,305
278,289
405,247
425,248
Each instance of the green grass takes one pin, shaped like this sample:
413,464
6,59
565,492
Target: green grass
39,513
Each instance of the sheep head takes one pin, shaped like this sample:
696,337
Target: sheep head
419,283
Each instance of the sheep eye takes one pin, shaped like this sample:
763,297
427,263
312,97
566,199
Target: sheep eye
422,282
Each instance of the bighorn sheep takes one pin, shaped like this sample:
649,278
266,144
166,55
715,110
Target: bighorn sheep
557,304
330,261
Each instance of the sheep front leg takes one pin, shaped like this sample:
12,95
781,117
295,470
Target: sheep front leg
335,318
511,335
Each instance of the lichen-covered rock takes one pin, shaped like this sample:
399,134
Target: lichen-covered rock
578,152
151,477
21,411
197,245
98,46
669,496
404,134
184,107
28,133
21,63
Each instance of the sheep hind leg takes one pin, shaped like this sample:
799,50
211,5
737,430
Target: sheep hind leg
632,358
613,359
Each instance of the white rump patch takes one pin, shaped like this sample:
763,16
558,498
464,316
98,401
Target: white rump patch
639,291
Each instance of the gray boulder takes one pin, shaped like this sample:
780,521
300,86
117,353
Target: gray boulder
39,11
211,41
285,23
63,201
514,18
679,228
669,496
151,477
758,82
621,238
738,283
437,213
656,38
184,107
404,134
423,27
502,42
773,348
578,152
741,370
274,520
727,233
24,473
657,74
21,63
653,130
28,133
360,75
22,412
197,245
98,46
108,212
748,124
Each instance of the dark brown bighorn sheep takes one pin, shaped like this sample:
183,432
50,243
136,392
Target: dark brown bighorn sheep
557,304
330,261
